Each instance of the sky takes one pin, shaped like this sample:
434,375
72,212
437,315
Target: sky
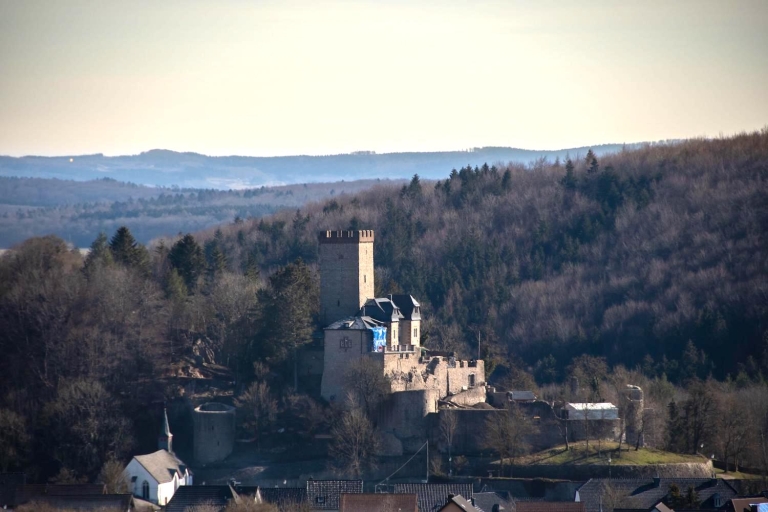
258,77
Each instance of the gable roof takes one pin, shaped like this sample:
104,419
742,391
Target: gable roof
521,395
408,306
432,497
354,323
462,503
486,500
744,504
645,493
196,495
326,494
378,502
283,497
549,506
162,465
381,309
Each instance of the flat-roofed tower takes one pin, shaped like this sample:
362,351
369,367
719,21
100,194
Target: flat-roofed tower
346,273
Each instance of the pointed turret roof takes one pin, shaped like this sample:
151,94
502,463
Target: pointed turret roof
166,429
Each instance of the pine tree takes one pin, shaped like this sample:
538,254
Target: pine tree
289,312
569,180
506,180
175,289
591,161
414,188
187,258
127,251
99,255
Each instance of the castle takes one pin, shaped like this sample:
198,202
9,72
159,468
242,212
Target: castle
386,330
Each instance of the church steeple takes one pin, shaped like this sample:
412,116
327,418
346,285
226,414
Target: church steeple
165,438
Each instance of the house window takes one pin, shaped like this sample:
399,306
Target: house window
416,333
145,490
471,380
319,500
365,278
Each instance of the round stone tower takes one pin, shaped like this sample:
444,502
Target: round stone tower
214,425
633,414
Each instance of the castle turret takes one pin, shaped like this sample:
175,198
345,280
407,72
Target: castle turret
346,273
165,438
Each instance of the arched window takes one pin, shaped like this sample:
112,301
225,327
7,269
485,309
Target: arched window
145,490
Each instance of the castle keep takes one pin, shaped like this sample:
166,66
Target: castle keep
386,330
346,278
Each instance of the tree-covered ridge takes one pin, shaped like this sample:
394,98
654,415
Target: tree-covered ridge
78,211
628,256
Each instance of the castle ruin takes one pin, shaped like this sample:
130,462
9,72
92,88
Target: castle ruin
386,330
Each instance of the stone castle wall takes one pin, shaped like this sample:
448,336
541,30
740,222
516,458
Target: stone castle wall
342,348
408,371
346,277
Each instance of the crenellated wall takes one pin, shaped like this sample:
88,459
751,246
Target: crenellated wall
407,371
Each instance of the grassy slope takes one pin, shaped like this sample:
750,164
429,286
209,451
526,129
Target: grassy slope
578,455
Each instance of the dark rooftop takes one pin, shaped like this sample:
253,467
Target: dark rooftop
284,497
326,494
432,497
645,493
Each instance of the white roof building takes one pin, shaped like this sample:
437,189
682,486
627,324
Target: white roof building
592,411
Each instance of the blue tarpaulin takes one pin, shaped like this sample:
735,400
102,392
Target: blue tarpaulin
379,339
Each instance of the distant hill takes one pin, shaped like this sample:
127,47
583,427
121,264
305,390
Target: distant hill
78,210
192,170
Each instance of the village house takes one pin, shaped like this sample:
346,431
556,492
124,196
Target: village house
156,476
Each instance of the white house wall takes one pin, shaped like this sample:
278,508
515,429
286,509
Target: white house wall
141,474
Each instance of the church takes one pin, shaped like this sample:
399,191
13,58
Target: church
386,330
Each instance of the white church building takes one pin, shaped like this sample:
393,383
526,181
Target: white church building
156,476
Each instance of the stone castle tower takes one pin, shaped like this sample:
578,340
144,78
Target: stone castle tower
346,279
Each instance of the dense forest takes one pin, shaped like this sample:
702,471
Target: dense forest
77,211
646,267
630,257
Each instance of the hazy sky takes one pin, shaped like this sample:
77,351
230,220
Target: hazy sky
259,77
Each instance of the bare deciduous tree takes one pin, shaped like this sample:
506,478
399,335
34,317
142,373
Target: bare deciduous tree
506,432
354,443
257,408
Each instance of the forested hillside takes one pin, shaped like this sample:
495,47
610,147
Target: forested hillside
651,259
77,211
629,256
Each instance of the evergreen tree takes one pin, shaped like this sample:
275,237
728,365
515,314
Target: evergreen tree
290,308
187,258
127,251
506,180
99,255
414,188
591,161
569,180
175,289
